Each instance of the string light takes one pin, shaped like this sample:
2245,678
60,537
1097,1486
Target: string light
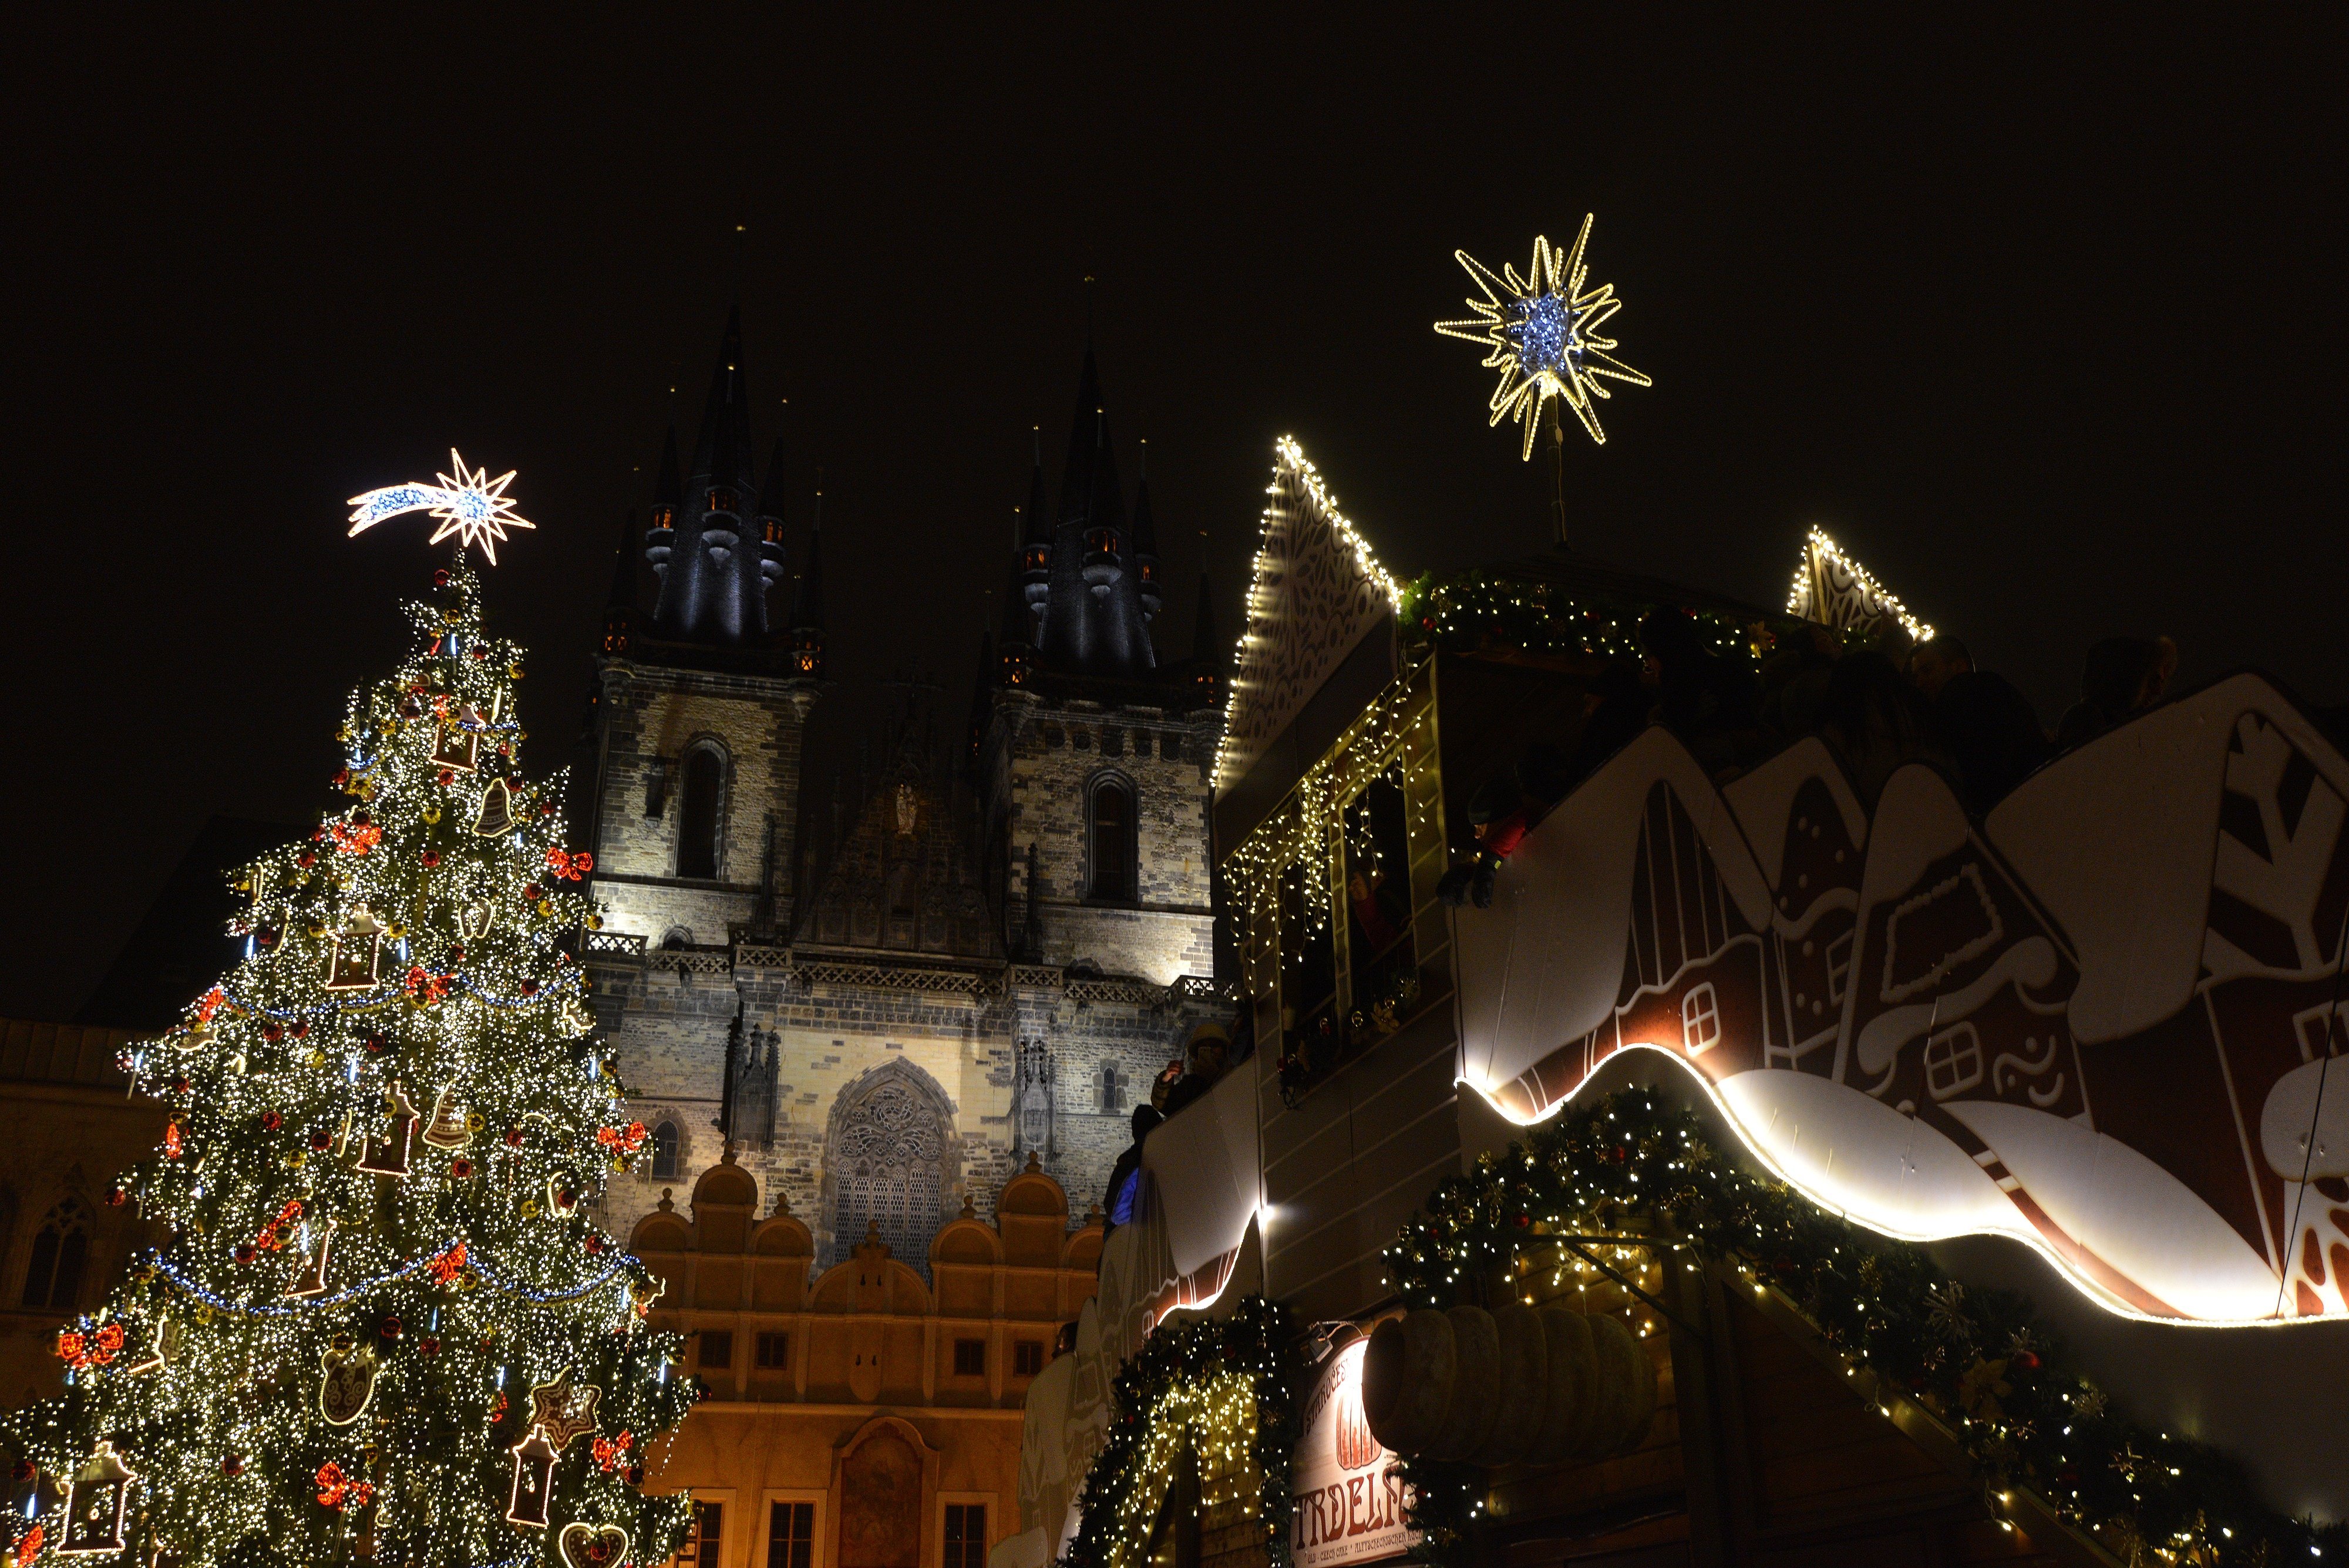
1543,331
1298,500
468,504
322,1349
1808,597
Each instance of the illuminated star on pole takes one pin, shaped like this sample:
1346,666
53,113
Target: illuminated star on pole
1543,330
470,505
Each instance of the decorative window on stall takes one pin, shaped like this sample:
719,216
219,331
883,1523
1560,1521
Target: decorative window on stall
1379,962
1309,974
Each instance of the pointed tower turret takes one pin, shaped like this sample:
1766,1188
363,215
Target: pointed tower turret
807,603
714,590
1146,543
1208,654
773,540
620,604
668,490
1092,613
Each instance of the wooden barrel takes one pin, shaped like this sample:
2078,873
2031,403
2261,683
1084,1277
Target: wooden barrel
1407,1377
1572,1373
1623,1370
1523,1395
1475,1385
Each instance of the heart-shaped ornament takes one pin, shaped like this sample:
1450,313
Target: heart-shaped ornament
593,1545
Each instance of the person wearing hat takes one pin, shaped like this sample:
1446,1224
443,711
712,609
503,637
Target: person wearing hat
1208,1054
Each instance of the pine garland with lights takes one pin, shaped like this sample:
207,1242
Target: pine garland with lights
1213,1384
1629,1166
1466,614
381,1324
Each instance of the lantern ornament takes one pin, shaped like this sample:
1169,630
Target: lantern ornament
98,1505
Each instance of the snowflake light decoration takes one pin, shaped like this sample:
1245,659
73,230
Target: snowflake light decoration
1543,330
470,505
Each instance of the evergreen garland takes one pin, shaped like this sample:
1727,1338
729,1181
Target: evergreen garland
1124,1490
1629,1164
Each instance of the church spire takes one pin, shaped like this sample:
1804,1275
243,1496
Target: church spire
807,601
1146,543
1093,617
713,574
620,604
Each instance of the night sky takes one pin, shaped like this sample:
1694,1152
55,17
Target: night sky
2041,323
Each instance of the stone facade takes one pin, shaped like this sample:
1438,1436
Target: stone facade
1043,762
886,963
652,719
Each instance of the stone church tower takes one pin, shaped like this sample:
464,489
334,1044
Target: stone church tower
886,1005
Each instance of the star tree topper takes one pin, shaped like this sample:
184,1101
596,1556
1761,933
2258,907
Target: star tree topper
1543,330
470,505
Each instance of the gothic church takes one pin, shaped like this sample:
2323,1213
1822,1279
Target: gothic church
880,1009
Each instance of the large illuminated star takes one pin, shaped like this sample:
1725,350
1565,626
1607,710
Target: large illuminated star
470,505
1543,331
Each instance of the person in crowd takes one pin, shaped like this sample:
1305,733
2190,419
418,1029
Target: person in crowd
1795,681
1980,721
1164,1085
1209,1052
1499,815
2122,676
1873,721
1614,712
1125,1175
1710,702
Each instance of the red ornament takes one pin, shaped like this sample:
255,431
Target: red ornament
529,987
479,652
446,777
267,937
546,808
271,1121
306,859
594,1243
430,858
440,577
427,1347
116,1198
320,1141
456,953
513,1138
232,1465
1522,1222
531,893
23,1469
272,1033
181,1086
247,1251
391,1326
2027,1360
301,1029
461,1170
377,1043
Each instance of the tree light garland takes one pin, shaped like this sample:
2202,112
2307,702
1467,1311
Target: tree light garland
1629,1167
1223,1389
317,1364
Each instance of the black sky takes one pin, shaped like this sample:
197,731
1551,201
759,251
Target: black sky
2038,316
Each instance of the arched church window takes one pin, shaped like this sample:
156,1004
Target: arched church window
887,1168
699,812
1110,842
1112,1089
665,1151
60,1251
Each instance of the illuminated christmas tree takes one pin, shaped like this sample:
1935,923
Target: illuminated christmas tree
381,1326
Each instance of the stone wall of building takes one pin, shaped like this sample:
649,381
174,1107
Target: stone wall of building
834,1024
1048,760
652,715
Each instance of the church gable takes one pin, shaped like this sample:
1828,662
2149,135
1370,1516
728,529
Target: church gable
904,879
1317,591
